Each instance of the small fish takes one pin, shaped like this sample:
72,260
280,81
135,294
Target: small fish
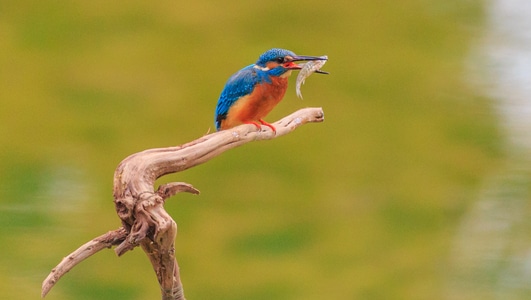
307,70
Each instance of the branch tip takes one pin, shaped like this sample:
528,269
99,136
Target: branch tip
168,190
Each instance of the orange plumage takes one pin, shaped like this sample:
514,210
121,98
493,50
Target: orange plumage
255,90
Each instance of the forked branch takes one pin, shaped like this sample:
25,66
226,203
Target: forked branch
145,222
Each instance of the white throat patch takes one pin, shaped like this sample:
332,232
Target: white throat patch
261,68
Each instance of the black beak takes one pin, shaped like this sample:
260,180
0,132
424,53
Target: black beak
308,58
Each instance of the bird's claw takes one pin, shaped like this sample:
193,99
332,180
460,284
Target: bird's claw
268,125
263,123
254,123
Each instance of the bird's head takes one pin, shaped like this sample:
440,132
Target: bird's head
281,61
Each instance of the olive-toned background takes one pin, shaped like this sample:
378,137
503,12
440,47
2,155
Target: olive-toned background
367,205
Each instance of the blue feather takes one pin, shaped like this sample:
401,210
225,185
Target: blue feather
272,54
240,84
243,82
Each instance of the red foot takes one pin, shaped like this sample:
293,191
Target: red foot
254,123
263,123
268,125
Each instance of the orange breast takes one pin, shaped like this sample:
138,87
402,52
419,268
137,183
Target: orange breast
258,104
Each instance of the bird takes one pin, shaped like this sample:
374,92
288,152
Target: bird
252,92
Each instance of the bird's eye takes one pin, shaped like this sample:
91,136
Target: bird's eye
280,60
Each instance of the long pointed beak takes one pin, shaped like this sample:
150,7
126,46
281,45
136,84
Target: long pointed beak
307,58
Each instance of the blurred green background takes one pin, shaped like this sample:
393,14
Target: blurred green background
367,205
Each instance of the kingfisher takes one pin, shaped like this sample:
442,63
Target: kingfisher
251,93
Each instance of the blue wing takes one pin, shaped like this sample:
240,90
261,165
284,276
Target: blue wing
240,84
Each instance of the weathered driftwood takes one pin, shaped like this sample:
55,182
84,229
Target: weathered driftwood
145,222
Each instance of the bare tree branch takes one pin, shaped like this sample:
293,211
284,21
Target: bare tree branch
145,222
106,240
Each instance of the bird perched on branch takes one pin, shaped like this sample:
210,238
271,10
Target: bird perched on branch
251,93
